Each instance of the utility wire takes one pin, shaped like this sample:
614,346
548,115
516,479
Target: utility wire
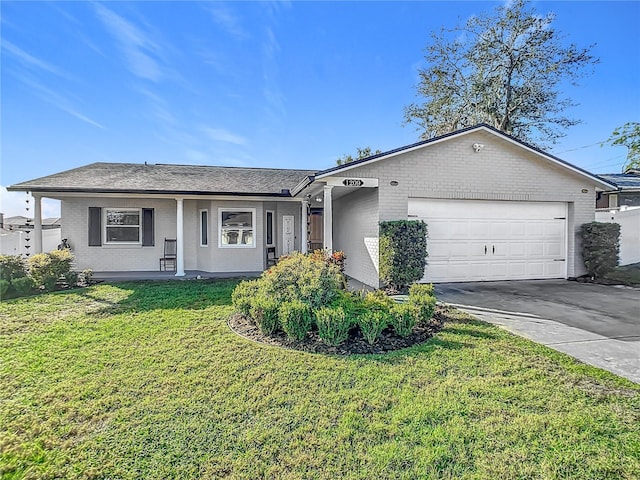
580,148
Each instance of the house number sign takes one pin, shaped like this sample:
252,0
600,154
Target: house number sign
353,182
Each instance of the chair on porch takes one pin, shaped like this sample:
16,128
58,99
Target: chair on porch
170,257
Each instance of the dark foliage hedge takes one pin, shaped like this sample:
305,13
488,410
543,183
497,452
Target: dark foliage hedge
403,252
600,247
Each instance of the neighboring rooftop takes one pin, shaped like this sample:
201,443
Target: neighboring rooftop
624,181
162,178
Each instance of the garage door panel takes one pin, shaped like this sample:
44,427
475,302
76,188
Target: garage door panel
480,229
517,270
517,249
556,269
535,249
492,240
439,229
460,228
459,249
553,249
518,229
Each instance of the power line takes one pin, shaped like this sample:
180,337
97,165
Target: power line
580,148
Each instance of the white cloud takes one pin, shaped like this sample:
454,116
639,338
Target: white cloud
137,47
224,18
32,62
58,100
14,204
222,135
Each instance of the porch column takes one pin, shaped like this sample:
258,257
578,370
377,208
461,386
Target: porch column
304,223
179,238
37,224
328,219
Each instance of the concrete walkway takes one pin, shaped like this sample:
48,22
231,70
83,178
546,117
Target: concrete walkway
598,325
156,275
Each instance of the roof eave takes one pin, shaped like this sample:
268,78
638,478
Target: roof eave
487,128
40,189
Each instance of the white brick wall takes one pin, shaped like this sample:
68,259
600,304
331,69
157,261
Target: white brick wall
355,231
211,258
500,171
110,258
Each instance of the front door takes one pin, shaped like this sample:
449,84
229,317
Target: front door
288,237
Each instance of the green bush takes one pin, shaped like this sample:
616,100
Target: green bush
22,286
421,289
600,247
295,319
421,296
403,252
46,269
243,295
312,279
372,323
404,317
4,287
12,266
86,276
333,325
377,301
41,271
264,311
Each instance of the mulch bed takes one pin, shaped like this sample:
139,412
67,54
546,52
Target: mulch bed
354,345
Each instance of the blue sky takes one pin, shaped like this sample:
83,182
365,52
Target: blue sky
287,85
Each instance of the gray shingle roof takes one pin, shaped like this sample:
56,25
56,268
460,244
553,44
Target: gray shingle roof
624,181
175,179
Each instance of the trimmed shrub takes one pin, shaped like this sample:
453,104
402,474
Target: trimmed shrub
4,287
403,252
404,317
377,301
421,296
264,311
600,247
86,276
12,266
421,289
333,325
372,323
243,295
295,319
41,271
312,279
22,286
45,269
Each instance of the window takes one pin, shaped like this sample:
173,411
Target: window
237,227
122,225
204,228
269,221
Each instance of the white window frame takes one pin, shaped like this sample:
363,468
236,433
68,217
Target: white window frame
106,227
201,229
273,228
253,226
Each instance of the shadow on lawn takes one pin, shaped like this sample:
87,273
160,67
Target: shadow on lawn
147,296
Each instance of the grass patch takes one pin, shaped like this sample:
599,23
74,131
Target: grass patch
145,380
628,274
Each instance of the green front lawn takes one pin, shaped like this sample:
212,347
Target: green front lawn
146,381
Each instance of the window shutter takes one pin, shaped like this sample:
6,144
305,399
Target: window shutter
148,239
95,226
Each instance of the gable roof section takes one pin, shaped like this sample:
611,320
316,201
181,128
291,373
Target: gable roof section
172,179
482,127
624,181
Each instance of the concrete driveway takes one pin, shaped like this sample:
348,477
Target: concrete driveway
597,324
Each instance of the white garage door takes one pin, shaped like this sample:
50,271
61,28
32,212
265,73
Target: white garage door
472,240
